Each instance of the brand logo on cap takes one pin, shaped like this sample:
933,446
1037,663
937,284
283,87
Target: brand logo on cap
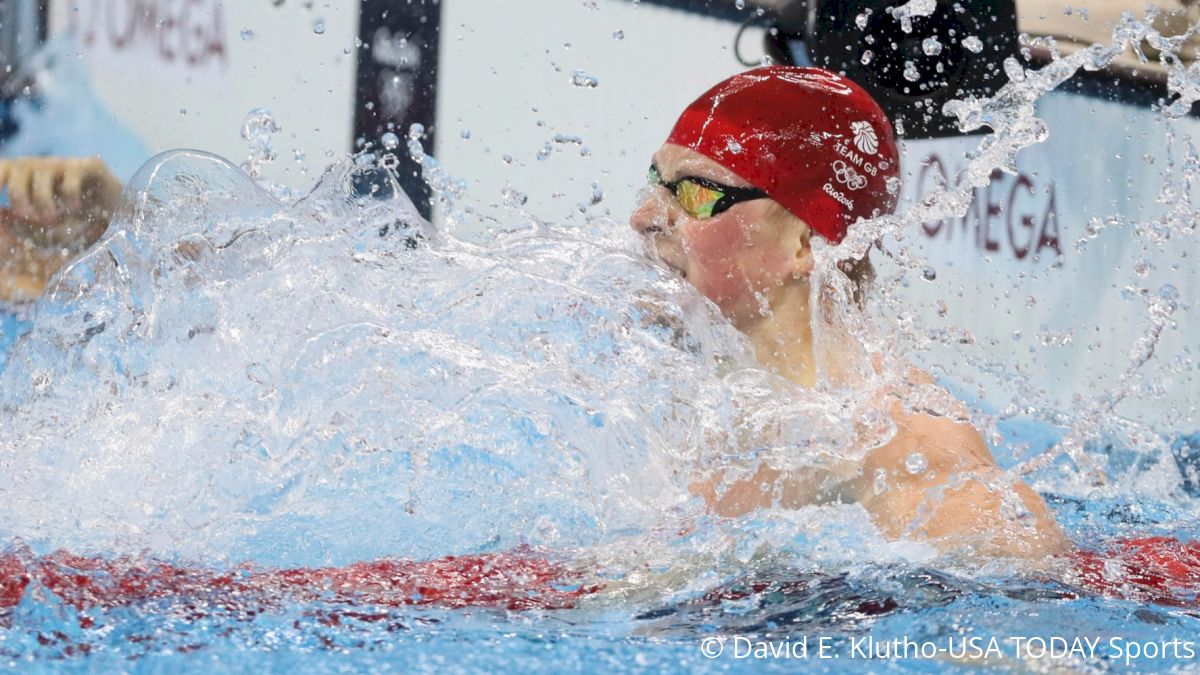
864,138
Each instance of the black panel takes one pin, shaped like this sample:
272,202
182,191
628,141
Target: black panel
835,41
397,80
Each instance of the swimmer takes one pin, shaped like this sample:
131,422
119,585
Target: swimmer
751,173
58,207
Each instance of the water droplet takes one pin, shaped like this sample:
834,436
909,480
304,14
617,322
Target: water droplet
416,132
544,153
514,198
861,20
916,463
867,56
581,78
247,34
910,71
319,26
972,44
880,485
618,34
258,127
740,4
931,46
465,134
929,274
390,141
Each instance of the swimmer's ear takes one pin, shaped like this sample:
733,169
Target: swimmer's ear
800,257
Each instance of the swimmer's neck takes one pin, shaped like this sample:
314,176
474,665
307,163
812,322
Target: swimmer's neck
783,339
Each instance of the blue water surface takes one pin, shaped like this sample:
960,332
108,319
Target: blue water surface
12,324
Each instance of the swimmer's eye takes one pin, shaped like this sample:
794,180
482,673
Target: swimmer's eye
703,198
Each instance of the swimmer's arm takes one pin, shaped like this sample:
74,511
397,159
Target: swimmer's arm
770,487
57,208
958,502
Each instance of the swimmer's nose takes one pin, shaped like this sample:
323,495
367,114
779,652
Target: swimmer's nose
651,217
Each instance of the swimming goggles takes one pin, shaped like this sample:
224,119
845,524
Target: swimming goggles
703,198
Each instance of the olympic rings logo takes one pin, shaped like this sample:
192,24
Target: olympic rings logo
846,175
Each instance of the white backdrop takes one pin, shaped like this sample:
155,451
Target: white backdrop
186,74
1011,273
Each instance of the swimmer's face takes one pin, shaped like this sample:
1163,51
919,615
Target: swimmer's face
741,258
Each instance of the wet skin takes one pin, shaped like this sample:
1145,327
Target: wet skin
754,265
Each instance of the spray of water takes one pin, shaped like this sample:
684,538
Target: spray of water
229,375
1011,116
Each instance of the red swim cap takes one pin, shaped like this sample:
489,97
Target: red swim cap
814,141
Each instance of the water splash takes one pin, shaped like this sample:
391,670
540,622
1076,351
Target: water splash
1011,116
266,378
259,130
906,12
262,380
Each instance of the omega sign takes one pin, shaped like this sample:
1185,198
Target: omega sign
173,33
1012,216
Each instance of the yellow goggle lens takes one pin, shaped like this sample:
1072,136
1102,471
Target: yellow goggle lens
697,199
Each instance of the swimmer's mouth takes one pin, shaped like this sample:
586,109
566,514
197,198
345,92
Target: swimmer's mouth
673,267
678,270
658,245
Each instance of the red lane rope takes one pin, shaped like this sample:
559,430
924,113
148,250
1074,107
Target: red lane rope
516,580
1161,570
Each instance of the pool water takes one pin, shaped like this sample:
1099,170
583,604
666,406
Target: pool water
237,380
